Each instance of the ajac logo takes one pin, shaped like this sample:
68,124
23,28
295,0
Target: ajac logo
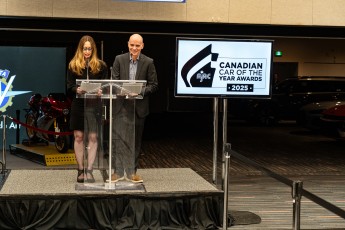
6,93
204,76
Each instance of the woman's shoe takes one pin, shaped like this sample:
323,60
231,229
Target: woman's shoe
80,179
89,176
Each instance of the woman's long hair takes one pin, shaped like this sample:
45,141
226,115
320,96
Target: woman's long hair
77,64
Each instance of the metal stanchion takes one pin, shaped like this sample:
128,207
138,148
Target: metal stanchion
227,148
18,129
296,196
3,161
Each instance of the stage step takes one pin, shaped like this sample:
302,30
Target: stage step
43,154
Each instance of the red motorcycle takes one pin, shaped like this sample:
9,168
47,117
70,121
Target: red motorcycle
49,117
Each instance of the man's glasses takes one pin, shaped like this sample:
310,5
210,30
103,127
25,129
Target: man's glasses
87,49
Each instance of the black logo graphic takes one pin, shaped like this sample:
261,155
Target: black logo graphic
204,76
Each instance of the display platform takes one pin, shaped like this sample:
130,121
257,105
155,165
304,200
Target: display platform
43,154
172,198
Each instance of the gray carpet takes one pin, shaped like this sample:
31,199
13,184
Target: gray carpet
57,181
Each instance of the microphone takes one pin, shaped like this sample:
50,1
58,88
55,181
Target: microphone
87,68
111,73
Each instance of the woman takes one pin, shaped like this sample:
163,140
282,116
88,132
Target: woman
84,65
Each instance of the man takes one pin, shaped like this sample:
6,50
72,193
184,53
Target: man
132,65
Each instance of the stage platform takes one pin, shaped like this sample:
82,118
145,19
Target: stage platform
170,198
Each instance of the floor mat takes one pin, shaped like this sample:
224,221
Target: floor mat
243,218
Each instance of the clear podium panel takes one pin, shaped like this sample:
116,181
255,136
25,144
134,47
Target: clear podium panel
123,137
94,156
109,131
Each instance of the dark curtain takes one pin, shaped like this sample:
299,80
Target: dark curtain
117,212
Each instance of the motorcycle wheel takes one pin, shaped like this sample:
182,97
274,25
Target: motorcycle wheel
31,121
62,143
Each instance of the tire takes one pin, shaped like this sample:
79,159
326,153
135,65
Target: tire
62,143
31,120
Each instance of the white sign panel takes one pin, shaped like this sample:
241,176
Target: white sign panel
223,68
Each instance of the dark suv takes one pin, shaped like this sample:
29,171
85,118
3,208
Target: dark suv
289,95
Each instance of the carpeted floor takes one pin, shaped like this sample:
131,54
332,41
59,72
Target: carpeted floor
63,181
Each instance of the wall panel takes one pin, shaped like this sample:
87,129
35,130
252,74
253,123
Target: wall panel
275,12
208,10
120,10
3,6
75,9
292,12
329,12
315,57
37,8
317,69
165,12
250,11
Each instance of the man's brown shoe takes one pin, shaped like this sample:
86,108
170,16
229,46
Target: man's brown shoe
135,179
115,178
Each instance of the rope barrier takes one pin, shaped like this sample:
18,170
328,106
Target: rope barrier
318,200
40,130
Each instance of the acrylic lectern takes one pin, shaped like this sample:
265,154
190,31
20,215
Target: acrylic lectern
109,121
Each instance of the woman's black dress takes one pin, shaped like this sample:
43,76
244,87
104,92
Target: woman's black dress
80,115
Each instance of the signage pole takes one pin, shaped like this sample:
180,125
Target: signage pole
225,134
215,139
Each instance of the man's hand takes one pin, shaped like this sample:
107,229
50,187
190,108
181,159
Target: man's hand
99,93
